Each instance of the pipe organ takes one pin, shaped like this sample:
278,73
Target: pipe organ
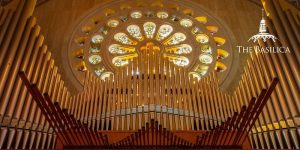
149,87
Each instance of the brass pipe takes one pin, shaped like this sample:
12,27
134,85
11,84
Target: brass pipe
107,116
123,97
206,114
265,118
18,138
293,24
291,59
21,97
135,94
44,138
43,87
221,104
91,118
32,108
129,95
145,88
201,104
63,97
218,106
16,34
288,30
194,101
20,64
178,97
5,21
186,101
10,137
198,108
37,140
52,81
113,102
8,31
104,99
88,100
2,14
60,92
212,98
279,114
158,86
55,87
282,100
96,98
99,97
32,49
251,89
2,136
170,122
25,138
207,101
289,86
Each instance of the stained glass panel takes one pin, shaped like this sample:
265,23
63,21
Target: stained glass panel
119,49
99,71
95,59
186,23
181,61
202,38
175,39
135,31
94,49
149,28
163,32
162,14
206,58
136,14
96,39
113,23
124,39
180,49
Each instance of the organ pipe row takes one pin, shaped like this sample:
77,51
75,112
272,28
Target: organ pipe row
151,87
22,48
278,127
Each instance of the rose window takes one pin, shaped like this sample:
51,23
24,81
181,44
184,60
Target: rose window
116,38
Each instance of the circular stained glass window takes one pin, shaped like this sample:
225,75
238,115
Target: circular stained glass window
163,32
162,15
184,49
124,39
136,14
186,22
206,58
135,31
206,49
202,38
94,50
95,59
113,23
96,39
175,39
181,61
99,71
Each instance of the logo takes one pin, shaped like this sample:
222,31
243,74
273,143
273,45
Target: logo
263,33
